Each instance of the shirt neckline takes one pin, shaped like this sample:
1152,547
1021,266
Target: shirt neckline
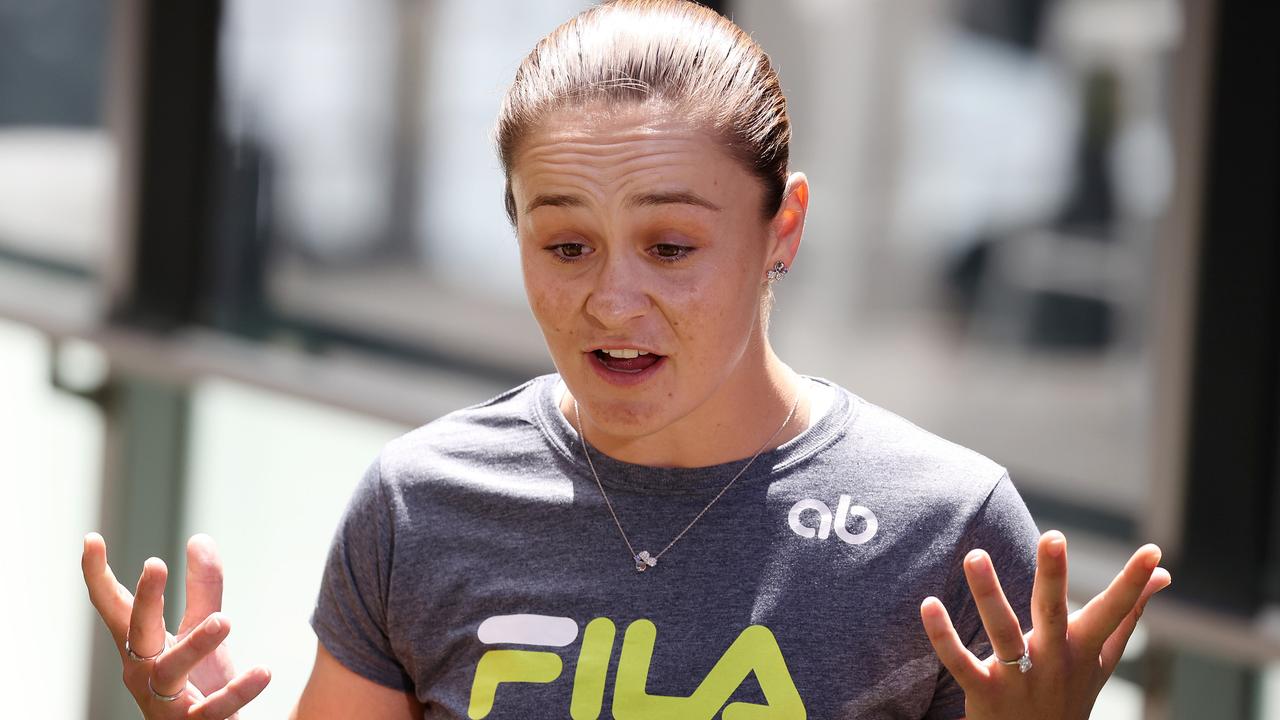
617,474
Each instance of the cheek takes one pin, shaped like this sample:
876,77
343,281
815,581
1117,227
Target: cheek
550,302
717,313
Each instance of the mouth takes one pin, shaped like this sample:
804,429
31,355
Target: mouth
625,366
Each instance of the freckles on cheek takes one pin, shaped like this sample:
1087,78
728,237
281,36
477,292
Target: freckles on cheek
552,311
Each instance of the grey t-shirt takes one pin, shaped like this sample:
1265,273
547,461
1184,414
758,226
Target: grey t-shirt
478,568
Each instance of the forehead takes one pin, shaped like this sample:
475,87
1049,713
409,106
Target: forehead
605,153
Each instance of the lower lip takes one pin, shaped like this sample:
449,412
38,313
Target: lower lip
623,379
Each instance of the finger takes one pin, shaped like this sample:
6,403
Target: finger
237,693
963,666
1049,593
1098,619
204,581
998,617
146,623
170,672
1113,648
112,600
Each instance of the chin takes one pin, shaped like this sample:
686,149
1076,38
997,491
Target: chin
630,417
634,417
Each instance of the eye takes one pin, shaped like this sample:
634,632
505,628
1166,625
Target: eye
670,252
568,252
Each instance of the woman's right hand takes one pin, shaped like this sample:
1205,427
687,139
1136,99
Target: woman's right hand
188,675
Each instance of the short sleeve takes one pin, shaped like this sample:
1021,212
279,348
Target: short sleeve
350,617
1003,527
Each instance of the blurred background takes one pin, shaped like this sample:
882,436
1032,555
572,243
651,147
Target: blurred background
245,243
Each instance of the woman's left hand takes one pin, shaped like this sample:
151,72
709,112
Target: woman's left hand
1072,655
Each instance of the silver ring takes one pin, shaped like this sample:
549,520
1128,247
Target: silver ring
1023,662
139,658
158,696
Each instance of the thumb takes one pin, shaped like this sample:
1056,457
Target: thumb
1113,648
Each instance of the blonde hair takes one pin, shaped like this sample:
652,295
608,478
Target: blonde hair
674,51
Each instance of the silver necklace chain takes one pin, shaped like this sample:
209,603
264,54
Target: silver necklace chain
643,559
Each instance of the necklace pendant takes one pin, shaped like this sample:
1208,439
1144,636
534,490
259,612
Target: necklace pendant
644,561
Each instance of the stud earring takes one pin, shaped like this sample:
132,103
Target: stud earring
777,272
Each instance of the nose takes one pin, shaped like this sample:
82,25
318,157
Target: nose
618,294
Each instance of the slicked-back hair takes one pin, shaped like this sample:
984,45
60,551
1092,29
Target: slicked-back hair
676,52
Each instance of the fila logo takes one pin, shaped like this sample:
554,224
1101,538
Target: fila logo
755,653
827,523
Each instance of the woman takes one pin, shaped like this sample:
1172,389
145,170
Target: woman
726,517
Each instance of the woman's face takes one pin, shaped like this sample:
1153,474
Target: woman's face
644,250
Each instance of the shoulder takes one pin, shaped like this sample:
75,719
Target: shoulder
499,431
913,460
948,490
926,489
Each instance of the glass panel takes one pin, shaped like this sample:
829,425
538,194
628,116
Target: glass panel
365,125
57,163
269,476
1269,706
990,182
51,462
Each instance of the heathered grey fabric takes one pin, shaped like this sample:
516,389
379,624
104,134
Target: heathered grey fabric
492,511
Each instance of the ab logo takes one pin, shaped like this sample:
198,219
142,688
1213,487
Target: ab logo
755,651
825,521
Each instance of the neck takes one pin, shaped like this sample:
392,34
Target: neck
744,416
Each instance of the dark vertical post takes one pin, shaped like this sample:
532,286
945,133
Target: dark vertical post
167,239
171,233
1230,558
1231,549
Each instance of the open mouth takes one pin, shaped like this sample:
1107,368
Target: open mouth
627,361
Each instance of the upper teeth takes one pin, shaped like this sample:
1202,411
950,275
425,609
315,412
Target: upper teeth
627,353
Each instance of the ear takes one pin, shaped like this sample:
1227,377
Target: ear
788,224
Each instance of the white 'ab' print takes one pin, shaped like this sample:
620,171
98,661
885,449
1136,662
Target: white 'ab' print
827,523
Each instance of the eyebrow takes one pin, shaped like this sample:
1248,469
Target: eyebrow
673,197
649,199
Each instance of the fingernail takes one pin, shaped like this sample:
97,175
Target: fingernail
214,626
1056,546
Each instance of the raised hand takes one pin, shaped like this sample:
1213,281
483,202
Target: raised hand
188,675
1071,656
